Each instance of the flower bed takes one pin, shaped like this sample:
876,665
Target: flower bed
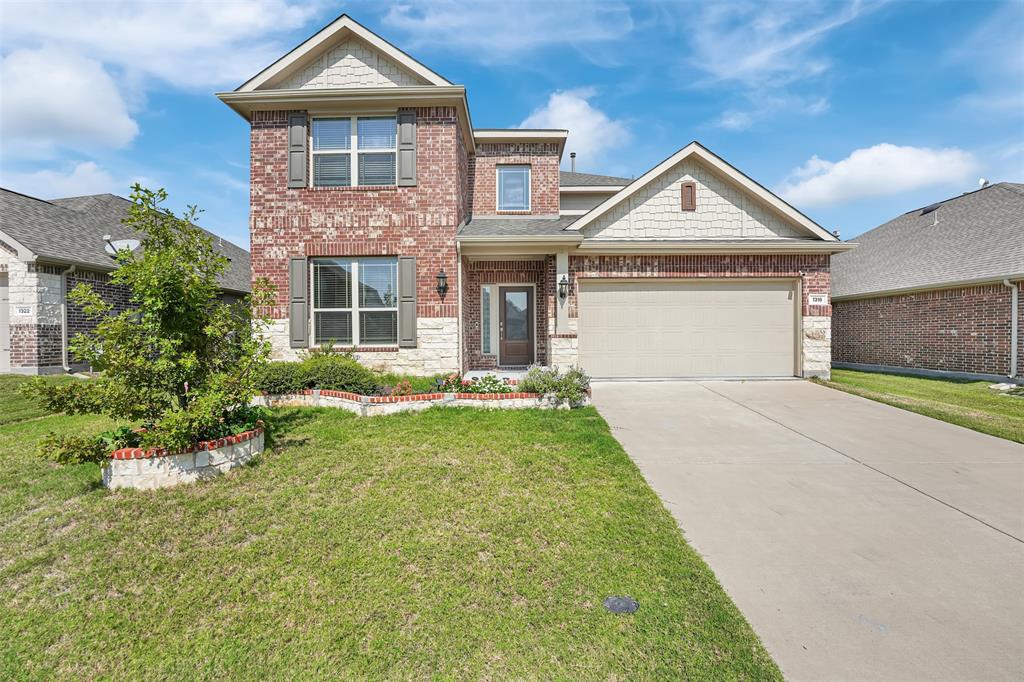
149,468
373,405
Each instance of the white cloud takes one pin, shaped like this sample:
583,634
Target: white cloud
79,179
500,30
881,170
57,99
592,134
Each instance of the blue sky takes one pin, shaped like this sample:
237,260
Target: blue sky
853,111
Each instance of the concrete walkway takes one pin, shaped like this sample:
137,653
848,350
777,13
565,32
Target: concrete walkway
861,541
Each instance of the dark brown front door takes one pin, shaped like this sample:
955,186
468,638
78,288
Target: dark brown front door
515,328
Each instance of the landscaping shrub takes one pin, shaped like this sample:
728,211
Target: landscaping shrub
569,388
489,384
337,372
73,449
279,378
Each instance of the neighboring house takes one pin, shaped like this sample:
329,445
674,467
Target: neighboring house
46,249
396,229
936,289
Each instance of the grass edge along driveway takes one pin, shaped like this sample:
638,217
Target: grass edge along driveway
967,403
449,543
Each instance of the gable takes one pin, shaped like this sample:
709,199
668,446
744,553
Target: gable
723,210
351,63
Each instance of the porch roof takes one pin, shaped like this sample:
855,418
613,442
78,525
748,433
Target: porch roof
514,226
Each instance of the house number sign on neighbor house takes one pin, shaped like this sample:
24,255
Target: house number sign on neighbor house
22,310
817,299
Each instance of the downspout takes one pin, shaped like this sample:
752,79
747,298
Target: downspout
64,317
458,322
1014,295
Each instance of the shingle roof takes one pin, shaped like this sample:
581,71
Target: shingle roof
516,227
973,236
570,179
71,231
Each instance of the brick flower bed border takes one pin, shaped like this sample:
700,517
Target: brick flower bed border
149,468
373,405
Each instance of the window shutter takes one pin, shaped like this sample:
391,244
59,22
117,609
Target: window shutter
297,150
407,302
689,196
406,149
298,303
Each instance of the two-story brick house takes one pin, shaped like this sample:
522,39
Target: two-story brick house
394,228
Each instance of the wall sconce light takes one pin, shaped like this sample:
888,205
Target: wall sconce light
442,283
563,287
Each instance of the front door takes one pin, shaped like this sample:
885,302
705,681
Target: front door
515,326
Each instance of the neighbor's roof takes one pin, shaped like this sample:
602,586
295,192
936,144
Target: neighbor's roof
516,227
71,231
571,179
973,237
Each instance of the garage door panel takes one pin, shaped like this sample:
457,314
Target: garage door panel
687,329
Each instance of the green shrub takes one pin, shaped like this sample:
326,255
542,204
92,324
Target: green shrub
73,449
569,388
489,384
337,372
279,378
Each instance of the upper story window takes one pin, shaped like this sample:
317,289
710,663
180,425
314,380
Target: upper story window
354,150
513,188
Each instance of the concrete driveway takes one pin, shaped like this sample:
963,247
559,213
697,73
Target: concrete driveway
861,541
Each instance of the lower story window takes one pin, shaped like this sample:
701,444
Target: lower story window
355,301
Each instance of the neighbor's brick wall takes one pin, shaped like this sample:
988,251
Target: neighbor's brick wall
957,330
357,221
816,278
483,177
117,295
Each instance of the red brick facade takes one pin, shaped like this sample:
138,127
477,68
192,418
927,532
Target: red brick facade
955,330
813,271
359,221
543,161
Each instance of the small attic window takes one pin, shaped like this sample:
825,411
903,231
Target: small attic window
688,196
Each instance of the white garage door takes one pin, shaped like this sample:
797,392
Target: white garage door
664,329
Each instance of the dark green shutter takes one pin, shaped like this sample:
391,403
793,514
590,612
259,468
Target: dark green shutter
406,148
297,150
407,301
298,303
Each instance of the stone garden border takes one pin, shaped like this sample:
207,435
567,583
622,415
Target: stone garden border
373,405
150,468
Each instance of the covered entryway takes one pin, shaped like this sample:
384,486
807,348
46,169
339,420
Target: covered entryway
680,328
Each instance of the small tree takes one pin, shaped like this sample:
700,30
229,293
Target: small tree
179,361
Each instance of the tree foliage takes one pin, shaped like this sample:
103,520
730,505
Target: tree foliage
179,361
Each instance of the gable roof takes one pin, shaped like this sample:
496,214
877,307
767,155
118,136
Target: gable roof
330,34
70,231
574,179
974,237
716,163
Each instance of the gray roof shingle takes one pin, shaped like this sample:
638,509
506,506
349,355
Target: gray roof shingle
516,227
71,231
571,179
974,236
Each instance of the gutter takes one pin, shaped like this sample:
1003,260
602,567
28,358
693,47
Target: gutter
64,317
1014,296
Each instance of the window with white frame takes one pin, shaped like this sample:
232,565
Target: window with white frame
513,188
355,301
354,150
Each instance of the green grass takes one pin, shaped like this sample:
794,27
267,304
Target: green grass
966,403
450,543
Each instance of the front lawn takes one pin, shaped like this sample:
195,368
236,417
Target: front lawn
453,543
966,403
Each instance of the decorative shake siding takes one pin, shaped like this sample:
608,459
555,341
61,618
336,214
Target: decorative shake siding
415,221
954,330
351,63
811,270
723,211
542,158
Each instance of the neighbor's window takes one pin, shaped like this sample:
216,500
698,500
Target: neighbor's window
354,150
355,301
513,188
485,320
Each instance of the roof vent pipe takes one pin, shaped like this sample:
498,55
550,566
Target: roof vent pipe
572,161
